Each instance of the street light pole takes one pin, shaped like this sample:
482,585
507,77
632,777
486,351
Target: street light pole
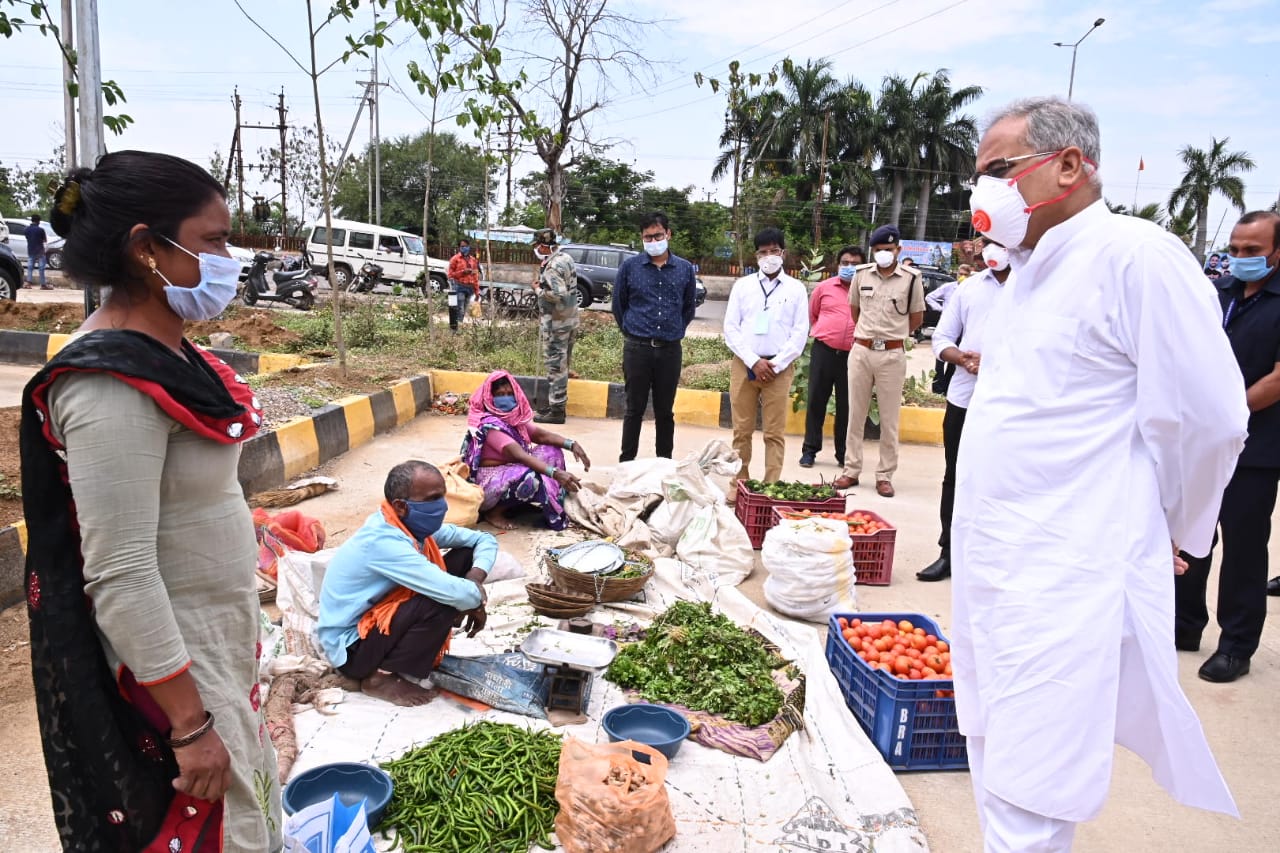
1071,85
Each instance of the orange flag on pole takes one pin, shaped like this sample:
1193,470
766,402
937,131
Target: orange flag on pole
1141,165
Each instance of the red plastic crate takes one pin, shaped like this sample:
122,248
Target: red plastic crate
756,512
913,726
872,552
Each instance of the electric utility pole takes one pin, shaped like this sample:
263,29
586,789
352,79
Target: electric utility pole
68,102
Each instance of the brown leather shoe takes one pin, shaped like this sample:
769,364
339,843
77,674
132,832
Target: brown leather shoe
843,482
884,489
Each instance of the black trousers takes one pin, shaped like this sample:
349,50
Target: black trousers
418,630
1245,527
828,371
952,427
648,369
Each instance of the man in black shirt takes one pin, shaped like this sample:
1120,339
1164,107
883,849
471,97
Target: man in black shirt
1250,297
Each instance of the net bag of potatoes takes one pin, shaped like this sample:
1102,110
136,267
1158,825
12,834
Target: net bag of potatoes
609,801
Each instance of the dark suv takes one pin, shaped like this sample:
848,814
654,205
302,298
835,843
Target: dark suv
598,268
10,274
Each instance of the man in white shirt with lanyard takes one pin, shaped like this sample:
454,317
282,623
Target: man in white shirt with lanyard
962,323
766,324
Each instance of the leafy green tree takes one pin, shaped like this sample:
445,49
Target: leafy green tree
1215,170
457,198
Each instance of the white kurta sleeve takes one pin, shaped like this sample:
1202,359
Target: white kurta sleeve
950,325
735,336
1191,410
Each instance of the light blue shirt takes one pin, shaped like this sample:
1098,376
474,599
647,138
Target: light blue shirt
379,558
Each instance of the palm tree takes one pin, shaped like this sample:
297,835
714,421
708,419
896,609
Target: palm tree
794,122
899,137
1213,171
1152,212
947,141
853,142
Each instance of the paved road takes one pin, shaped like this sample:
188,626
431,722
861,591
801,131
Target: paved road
13,378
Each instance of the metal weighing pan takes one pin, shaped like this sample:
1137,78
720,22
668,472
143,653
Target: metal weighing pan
576,651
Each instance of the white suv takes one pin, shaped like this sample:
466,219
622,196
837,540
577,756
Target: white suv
17,241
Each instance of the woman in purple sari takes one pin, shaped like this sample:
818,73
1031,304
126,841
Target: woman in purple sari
515,461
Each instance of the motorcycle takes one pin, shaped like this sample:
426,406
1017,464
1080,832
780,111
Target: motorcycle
366,279
295,287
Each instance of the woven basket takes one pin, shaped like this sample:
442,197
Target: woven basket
559,603
602,589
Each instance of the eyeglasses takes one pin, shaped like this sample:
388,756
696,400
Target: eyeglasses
760,253
999,168
653,238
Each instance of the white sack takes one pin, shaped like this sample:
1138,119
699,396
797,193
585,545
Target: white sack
810,567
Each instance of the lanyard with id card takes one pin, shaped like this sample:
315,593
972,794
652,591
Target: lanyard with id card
762,319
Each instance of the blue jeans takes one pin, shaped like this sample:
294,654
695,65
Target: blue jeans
32,260
464,293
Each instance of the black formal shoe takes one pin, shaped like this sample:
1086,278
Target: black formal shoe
553,415
840,461
1273,586
806,460
1186,641
939,569
1223,668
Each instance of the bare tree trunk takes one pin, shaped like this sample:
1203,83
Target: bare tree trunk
1202,228
338,341
922,206
555,193
895,202
737,175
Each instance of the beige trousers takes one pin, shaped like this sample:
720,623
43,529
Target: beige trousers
886,370
775,398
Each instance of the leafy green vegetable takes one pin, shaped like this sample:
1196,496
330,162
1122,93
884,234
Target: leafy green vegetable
702,660
797,491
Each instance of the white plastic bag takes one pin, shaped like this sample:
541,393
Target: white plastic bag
505,568
810,567
328,827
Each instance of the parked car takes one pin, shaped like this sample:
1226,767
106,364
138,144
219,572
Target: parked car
401,255
17,241
10,274
244,256
598,269
934,277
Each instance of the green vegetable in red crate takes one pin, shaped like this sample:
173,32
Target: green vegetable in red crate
797,491
899,648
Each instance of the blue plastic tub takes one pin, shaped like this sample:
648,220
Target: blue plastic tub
659,727
912,723
351,782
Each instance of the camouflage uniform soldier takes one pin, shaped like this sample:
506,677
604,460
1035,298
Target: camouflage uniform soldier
558,312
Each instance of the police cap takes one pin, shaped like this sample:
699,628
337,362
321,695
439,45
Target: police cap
886,235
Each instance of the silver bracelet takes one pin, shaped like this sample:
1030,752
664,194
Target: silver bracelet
568,444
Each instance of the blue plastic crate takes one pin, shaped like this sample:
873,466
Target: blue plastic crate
913,727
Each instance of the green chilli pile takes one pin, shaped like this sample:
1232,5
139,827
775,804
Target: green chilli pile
483,788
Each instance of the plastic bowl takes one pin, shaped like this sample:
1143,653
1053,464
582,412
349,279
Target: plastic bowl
351,782
659,727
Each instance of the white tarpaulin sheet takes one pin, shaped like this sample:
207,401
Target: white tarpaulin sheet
827,789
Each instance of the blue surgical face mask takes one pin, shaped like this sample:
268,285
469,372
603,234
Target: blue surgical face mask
423,518
464,250
210,296
1251,269
847,272
505,402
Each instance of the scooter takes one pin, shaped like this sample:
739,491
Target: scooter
296,287
366,279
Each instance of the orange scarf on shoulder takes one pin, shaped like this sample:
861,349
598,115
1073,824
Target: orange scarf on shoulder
380,615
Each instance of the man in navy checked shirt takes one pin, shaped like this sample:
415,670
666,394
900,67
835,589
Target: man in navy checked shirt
653,302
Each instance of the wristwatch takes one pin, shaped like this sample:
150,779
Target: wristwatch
551,471
568,444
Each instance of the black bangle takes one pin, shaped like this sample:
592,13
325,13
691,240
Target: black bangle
188,739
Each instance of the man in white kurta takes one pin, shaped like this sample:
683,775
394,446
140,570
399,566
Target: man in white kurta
1106,425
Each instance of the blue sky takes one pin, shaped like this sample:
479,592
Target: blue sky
1160,73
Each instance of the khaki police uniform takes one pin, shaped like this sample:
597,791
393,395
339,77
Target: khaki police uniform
879,358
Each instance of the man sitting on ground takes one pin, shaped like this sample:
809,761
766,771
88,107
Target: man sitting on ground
395,560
